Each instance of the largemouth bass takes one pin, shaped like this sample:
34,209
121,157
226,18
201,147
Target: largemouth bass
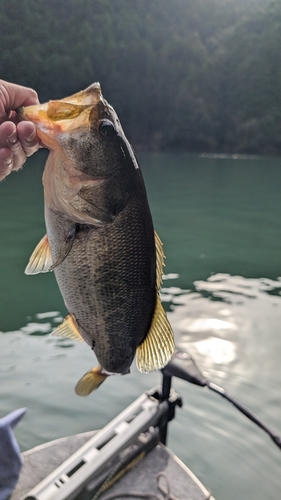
100,241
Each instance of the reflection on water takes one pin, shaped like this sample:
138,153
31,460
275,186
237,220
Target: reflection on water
218,350
229,320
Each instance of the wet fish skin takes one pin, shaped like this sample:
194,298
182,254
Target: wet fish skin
112,303
100,235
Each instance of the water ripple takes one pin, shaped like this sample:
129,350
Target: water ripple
239,327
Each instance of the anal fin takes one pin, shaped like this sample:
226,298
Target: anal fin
158,346
90,381
41,258
68,329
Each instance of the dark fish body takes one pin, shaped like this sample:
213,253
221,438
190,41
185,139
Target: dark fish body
108,278
100,239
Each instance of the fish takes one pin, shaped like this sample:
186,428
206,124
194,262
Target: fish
100,240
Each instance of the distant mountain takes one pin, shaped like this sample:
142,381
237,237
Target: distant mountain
198,75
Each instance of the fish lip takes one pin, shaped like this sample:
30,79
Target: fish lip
36,114
87,98
31,113
63,116
46,129
19,112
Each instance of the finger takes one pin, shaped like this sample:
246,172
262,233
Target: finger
6,163
28,137
12,96
6,130
19,156
22,141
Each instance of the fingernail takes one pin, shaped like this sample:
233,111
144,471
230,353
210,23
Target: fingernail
8,162
31,137
12,138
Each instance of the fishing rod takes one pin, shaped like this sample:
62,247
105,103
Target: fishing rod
183,366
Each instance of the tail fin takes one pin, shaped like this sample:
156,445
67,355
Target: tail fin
90,381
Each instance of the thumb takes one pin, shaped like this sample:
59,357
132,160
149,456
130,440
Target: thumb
12,96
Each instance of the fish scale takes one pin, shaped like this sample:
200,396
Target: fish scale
118,296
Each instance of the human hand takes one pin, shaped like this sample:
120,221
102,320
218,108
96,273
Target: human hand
17,139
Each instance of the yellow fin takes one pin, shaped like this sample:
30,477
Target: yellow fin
160,257
90,381
69,329
158,346
41,258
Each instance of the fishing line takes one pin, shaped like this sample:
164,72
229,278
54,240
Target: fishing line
183,366
246,411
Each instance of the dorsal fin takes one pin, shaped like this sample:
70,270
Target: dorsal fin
41,258
68,329
158,346
160,257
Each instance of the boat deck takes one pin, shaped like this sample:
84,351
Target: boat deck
141,479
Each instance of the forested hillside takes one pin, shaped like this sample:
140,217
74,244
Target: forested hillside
196,75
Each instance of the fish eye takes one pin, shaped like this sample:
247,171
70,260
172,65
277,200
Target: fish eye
107,129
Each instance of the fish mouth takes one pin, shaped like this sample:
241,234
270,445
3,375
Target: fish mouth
65,115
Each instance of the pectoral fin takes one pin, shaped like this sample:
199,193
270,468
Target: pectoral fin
41,258
65,248
90,381
68,329
158,346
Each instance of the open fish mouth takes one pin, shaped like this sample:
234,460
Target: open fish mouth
65,115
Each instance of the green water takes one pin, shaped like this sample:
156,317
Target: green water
219,220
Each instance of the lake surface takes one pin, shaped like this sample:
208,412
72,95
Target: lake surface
219,220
